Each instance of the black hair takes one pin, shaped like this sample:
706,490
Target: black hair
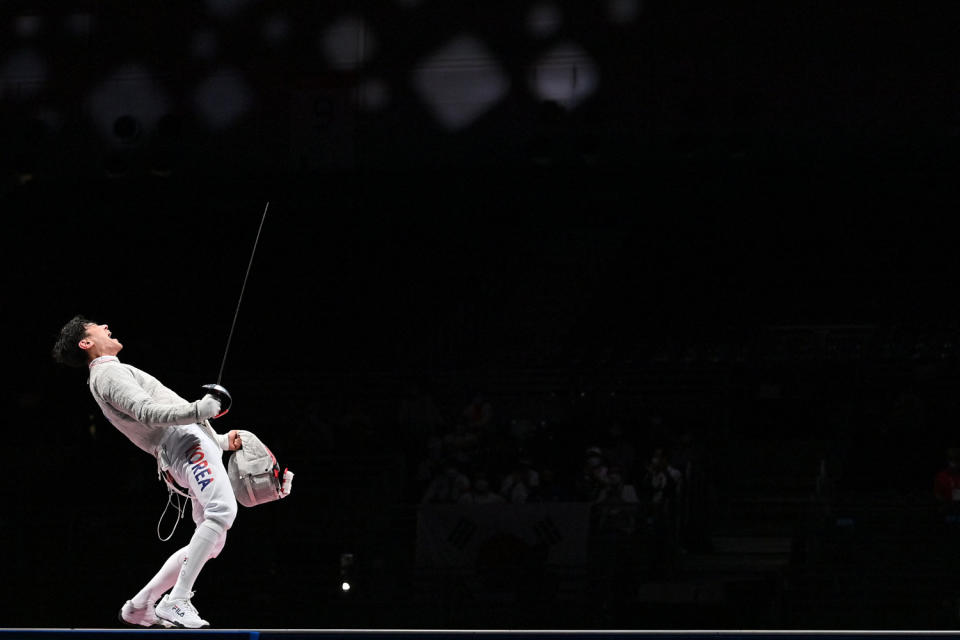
67,350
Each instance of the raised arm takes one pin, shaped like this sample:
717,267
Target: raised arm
122,391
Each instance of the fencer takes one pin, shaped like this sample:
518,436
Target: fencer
187,450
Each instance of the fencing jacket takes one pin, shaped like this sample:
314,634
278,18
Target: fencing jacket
139,406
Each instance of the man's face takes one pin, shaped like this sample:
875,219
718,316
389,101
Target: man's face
98,341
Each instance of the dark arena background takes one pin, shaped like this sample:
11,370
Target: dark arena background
599,315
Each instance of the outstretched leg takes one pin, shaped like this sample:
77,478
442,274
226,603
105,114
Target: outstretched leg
165,578
140,610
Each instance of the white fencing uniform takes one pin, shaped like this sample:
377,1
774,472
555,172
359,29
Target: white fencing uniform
196,464
139,406
168,427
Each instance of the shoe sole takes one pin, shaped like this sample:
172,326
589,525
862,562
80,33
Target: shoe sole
178,625
160,624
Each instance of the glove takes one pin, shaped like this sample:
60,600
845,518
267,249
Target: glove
207,407
222,396
226,443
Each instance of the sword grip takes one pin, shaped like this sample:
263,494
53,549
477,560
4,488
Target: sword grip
221,394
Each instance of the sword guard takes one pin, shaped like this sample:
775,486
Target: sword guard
221,394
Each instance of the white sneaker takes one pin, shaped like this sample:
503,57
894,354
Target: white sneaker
180,612
143,616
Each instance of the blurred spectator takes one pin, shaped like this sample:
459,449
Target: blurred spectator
446,487
946,483
550,489
617,491
593,477
662,484
462,444
480,492
616,505
520,482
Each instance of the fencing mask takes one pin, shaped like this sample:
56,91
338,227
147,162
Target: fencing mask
255,475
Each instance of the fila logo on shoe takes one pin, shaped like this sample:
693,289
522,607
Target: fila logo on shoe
200,468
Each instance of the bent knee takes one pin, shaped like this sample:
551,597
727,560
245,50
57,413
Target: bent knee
221,511
223,516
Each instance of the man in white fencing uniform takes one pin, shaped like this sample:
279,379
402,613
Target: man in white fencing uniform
188,451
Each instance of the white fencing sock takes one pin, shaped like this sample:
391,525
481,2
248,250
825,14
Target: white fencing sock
165,578
201,544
